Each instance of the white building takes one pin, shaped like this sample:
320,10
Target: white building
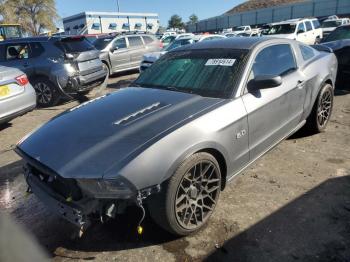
109,22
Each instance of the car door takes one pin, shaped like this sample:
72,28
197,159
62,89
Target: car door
137,50
311,33
119,55
18,55
301,33
273,112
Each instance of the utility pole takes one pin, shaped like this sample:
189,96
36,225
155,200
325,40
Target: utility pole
118,6
100,23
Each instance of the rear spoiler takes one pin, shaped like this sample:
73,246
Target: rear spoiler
322,48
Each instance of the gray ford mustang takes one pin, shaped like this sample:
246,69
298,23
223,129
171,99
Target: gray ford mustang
188,125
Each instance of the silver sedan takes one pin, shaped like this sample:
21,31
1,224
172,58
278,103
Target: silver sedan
17,95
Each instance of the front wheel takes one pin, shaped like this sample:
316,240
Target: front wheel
189,198
322,110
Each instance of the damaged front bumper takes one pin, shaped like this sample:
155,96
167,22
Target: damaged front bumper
76,213
81,202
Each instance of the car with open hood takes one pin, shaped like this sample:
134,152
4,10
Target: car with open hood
186,127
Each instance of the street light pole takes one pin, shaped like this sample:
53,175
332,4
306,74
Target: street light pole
118,6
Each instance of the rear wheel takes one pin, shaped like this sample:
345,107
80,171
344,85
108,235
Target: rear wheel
322,110
47,93
189,198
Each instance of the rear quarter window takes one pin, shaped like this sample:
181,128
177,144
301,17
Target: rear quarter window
308,26
316,24
135,41
306,52
147,39
37,49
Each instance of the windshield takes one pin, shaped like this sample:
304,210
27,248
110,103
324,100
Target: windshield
212,73
101,43
239,28
339,34
9,31
334,23
280,29
178,43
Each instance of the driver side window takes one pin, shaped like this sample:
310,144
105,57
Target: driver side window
119,43
276,60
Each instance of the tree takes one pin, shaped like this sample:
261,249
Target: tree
176,22
193,19
33,15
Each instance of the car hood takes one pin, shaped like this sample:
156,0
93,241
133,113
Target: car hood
152,57
339,44
86,141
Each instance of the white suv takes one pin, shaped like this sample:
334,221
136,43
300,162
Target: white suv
307,31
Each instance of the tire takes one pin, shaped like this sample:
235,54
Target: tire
321,111
187,199
105,65
47,94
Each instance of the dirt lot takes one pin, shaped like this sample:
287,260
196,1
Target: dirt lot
291,205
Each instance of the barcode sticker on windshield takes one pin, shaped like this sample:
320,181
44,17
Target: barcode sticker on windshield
220,62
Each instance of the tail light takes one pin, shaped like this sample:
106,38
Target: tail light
22,80
161,44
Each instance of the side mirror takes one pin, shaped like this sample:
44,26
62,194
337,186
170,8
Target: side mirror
114,48
300,32
264,82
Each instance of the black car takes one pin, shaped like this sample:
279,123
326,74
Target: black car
339,42
57,67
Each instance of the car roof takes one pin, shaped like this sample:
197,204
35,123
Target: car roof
244,43
38,39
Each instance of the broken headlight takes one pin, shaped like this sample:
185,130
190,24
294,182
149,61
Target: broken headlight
107,188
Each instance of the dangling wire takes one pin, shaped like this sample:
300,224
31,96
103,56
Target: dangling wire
139,203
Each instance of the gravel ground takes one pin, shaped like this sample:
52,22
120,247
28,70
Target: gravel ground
291,205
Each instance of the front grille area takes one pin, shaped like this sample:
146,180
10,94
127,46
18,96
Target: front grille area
65,187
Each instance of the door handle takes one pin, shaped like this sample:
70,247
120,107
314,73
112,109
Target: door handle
300,84
25,64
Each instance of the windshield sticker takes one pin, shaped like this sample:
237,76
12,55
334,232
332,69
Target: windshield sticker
220,62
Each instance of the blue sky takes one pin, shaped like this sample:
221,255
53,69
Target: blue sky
165,8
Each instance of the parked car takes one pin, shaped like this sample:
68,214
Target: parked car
17,96
168,40
124,52
92,37
242,29
307,31
188,125
57,67
330,25
149,58
339,42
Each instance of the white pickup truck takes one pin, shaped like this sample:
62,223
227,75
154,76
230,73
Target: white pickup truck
330,25
307,31
242,29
